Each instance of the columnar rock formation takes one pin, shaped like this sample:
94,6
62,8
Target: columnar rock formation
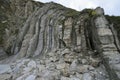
49,27
13,15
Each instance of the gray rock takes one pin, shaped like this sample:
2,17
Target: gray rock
31,77
27,70
64,78
99,11
22,77
5,68
74,78
5,77
40,67
66,51
32,64
104,31
101,22
50,75
50,66
106,39
62,66
74,65
51,54
87,76
2,53
79,75
82,68
36,31
84,61
53,59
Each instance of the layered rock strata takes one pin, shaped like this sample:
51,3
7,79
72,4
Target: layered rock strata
51,27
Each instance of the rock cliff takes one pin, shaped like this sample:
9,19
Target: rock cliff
51,42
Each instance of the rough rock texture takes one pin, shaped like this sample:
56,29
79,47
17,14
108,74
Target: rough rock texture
47,29
2,53
57,43
115,21
13,15
109,49
55,66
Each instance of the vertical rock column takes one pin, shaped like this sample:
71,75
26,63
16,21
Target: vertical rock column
67,31
110,52
49,28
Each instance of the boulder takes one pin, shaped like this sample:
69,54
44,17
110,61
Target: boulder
5,68
32,64
87,76
99,11
31,77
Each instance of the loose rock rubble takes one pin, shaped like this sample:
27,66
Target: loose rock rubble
57,65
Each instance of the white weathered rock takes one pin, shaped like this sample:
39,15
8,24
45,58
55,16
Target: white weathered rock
104,31
73,66
42,62
41,67
50,66
47,61
101,22
74,78
23,76
31,77
20,63
69,58
53,59
62,66
16,69
26,60
50,75
27,69
79,75
84,61
5,77
66,51
87,76
64,78
109,47
5,68
82,68
51,54
32,64
99,11
65,72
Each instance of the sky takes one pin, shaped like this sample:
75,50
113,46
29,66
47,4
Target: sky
111,7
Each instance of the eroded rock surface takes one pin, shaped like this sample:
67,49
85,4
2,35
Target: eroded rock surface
48,68
53,42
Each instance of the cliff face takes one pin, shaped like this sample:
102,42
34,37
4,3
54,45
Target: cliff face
13,15
115,21
52,32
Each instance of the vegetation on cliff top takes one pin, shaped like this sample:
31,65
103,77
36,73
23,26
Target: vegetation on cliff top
3,8
115,20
